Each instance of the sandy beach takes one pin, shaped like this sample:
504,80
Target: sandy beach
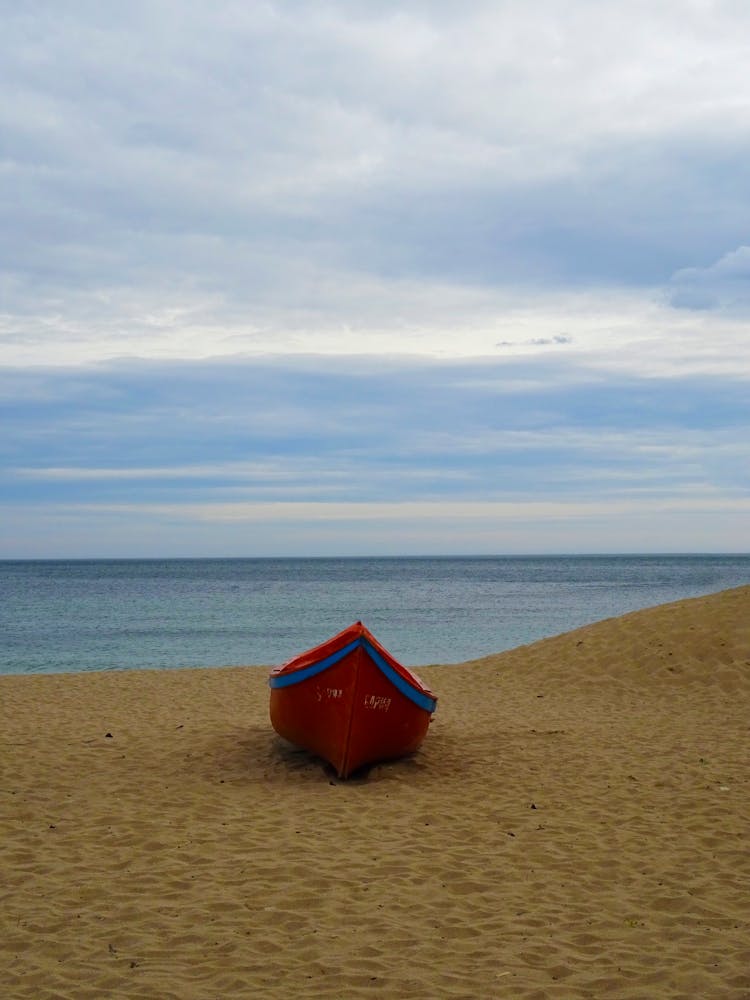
576,824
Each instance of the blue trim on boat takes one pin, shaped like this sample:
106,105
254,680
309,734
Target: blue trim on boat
419,698
286,680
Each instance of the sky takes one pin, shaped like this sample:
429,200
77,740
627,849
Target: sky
361,277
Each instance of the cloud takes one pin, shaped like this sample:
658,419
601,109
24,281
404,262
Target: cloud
365,430
370,253
168,166
725,284
559,338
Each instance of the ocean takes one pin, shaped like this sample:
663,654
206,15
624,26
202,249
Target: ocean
129,614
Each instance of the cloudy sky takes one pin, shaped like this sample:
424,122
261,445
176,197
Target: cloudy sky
361,277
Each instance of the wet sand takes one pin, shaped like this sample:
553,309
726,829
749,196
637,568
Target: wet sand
576,824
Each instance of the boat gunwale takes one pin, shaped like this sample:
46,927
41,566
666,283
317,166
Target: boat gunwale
289,677
399,676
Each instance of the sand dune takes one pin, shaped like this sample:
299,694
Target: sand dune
575,825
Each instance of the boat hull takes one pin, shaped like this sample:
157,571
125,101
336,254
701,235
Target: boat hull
349,702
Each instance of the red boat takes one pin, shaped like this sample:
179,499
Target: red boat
350,702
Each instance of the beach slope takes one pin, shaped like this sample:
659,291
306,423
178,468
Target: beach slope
575,825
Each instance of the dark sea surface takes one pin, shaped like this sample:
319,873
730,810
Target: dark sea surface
129,614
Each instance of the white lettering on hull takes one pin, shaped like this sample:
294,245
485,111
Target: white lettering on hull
329,693
378,702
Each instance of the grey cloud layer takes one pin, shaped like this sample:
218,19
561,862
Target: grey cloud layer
560,187
251,153
366,430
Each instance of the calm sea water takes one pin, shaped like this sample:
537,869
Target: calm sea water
125,614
